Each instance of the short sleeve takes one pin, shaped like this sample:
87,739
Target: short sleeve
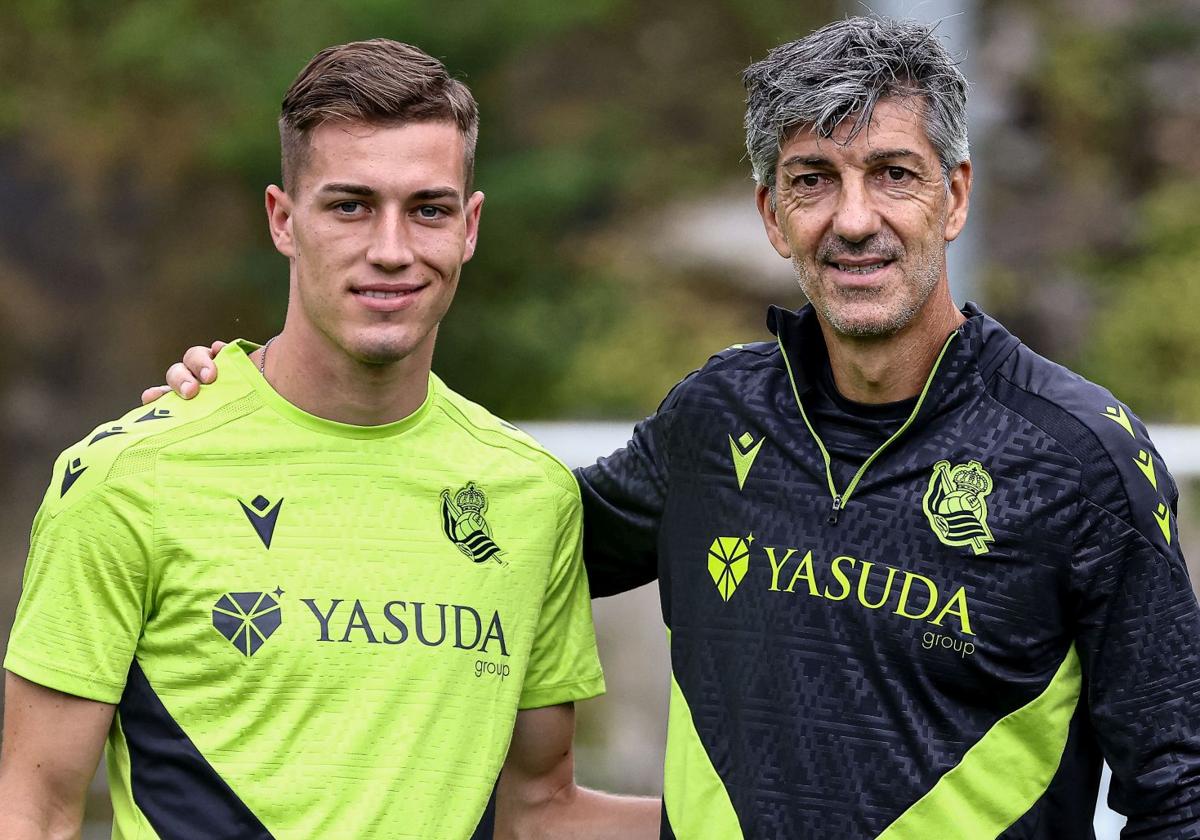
624,496
564,665
83,593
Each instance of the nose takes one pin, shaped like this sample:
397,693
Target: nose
855,218
391,247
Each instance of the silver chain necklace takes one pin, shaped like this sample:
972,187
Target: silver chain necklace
262,360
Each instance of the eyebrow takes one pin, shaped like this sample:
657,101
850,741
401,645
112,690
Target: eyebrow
350,189
890,154
366,192
806,160
874,157
436,192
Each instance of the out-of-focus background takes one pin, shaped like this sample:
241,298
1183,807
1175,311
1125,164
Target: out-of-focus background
619,244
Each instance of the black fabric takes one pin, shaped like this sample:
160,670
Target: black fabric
829,705
851,431
487,822
176,788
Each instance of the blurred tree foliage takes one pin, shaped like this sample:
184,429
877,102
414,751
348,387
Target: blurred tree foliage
1094,212
137,138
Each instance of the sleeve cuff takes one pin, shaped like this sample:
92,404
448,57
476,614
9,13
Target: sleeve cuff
88,688
540,696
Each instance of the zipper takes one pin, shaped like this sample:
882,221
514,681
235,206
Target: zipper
837,508
840,500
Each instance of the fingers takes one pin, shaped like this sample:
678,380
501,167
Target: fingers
217,347
151,394
198,361
181,380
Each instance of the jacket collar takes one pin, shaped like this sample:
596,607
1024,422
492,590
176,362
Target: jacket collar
978,349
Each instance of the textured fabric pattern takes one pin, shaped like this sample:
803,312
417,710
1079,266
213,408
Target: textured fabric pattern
300,599
838,664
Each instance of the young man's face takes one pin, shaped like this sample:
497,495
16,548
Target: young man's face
866,223
378,227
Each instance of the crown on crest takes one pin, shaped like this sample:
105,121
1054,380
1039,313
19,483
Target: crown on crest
972,479
471,498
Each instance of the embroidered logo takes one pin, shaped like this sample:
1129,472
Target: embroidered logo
1162,515
1116,413
263,516
247,619
1146,464
71,474
111,431
956,505
464,524
728,561
744,451
154,414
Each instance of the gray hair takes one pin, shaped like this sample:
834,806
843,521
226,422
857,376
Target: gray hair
841,72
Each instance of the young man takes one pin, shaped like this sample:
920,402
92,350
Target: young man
918,579
316,601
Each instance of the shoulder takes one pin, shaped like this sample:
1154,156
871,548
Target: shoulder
503,438
121,453
731,371
1120,470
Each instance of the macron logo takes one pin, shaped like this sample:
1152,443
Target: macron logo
263,516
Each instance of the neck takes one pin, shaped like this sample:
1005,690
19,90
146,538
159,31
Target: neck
881,369
319,378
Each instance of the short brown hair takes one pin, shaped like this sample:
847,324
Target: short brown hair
375,81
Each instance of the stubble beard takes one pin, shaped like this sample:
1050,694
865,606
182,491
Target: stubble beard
891,308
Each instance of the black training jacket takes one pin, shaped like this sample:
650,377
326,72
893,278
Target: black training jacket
946,646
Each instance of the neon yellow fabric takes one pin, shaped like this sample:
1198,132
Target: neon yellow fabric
1004,773
694,796
377,698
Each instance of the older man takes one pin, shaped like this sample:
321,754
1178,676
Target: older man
918,580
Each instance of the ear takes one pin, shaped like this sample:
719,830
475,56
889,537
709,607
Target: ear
960,200
472,211
762,197
279,220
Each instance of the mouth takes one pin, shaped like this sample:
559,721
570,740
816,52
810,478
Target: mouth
387,298
380,295
861,268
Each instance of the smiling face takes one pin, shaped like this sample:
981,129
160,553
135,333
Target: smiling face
377,228
865,223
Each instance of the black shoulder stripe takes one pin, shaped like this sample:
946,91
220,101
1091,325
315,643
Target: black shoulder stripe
1102,486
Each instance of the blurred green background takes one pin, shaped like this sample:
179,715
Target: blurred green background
618,245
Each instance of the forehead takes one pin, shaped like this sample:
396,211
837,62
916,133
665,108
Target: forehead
386,157
895,124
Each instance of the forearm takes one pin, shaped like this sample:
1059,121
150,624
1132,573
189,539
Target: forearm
578,813
27,815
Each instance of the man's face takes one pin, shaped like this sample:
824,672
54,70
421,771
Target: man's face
377,227
866,223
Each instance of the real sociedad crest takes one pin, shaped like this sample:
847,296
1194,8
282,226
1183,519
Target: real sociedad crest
956,505
464,525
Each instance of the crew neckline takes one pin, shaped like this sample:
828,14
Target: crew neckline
238,353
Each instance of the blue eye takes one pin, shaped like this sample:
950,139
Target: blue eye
428,211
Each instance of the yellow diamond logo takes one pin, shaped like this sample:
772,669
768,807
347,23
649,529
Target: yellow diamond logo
728,560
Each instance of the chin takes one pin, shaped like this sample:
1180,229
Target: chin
878,321
381,351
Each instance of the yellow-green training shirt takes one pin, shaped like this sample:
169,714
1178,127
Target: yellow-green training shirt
310,629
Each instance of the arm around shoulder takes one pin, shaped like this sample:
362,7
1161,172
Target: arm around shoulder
52,744
537,796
